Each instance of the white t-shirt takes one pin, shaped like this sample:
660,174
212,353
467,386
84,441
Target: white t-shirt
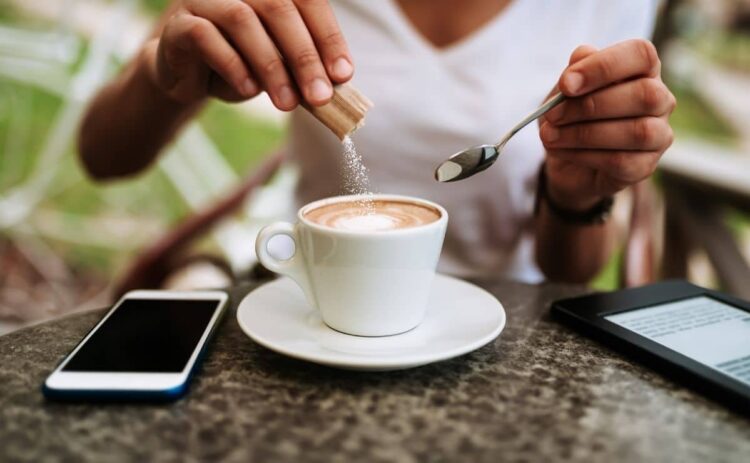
430,103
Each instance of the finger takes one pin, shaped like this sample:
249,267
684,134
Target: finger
202,37
285,24
624,166
625,60
582,51
634,98
578,54
238,21
328,38
218,88
642,133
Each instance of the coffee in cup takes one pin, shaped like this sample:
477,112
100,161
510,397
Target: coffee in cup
372,215
368,269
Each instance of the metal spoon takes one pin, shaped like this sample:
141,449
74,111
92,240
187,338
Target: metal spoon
466,163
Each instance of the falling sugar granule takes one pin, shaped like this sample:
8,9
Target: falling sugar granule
356,181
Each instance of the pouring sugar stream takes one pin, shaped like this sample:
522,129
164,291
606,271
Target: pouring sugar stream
356,181
343,115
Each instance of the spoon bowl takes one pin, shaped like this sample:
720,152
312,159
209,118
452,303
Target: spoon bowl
473,160
466,163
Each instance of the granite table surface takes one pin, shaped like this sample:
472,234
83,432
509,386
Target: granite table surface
539,392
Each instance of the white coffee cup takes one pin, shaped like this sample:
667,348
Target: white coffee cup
365,283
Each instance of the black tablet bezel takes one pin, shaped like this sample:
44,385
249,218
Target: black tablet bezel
587,314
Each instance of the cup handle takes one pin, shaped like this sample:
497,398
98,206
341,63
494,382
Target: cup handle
294,267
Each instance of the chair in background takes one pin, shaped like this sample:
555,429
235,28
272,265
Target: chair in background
46,60
701,183
193,165
155,263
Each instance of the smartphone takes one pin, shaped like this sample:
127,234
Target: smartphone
146,347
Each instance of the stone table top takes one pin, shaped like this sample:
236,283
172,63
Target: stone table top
540,392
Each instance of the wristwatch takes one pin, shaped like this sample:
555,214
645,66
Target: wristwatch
597,214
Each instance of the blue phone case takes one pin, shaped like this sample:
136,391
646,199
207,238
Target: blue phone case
106,395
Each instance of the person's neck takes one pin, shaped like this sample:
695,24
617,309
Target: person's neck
444,22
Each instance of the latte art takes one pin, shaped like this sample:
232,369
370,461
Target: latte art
382,215
365,222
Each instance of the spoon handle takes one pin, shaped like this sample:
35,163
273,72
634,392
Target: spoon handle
540,111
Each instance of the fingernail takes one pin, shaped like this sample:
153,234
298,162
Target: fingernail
551,133
342,67
319,90
249,88
573,81
286,97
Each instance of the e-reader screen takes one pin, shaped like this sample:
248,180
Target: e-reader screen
707,330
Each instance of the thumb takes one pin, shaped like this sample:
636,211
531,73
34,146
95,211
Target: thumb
581,52
578,54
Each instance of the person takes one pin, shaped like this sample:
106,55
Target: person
443,76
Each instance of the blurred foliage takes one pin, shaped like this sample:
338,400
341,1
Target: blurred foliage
731,50
609,278
26,115
155,6
241,140
738,222
694,116
7,12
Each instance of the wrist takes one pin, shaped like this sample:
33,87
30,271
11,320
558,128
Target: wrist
570,208
563,199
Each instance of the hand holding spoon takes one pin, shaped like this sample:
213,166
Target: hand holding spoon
466,163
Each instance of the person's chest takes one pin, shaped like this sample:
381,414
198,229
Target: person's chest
443,23
430,103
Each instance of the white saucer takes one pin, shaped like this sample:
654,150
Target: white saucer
460,318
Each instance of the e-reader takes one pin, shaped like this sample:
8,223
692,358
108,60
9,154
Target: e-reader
698,336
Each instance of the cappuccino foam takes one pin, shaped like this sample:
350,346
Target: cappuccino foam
381,215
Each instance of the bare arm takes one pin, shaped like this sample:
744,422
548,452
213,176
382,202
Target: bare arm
608,135
131,119
568,252
227,49
129,122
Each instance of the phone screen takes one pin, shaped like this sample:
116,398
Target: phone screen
145,335
709,331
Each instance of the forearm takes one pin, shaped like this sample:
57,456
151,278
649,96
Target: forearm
572,253
129,121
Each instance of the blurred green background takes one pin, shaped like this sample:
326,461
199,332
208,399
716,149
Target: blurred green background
243,139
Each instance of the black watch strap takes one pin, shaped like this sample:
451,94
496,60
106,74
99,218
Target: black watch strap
597,214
